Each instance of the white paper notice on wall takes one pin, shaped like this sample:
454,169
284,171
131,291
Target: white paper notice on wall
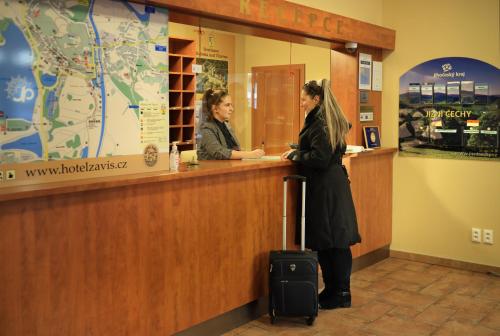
377,76
197,68
365,71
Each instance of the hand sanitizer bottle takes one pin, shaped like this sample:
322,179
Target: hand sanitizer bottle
174,158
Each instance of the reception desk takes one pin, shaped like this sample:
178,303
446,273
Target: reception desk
153,255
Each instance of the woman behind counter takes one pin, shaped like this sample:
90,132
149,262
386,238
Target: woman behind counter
331,226
218,142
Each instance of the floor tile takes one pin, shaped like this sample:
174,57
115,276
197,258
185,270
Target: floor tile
492,290
398,297
391,325
454,328
369,274
466,303
414,277
435,315
404,312
372,311
492,320
439,288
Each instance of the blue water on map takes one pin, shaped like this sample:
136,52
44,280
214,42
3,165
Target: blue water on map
50,104
143,17
85,152
48,80
30,143
100,81
16,61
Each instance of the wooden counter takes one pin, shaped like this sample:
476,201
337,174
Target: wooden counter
371,185
138,255
153,255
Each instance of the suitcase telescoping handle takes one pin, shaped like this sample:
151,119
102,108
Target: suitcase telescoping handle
303,216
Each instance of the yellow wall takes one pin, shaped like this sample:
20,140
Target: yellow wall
437,202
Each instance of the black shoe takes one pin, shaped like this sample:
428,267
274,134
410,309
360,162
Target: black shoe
338,300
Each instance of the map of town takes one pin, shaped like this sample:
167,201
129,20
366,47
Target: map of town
74,75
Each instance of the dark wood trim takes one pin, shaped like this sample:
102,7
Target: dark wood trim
230,320
463,265
287,17
370,258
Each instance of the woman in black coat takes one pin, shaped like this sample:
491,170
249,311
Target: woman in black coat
331,226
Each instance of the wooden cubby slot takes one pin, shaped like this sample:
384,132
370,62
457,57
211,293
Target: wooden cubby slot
174,63
175,81
175,133
187,134
187,64
187,99
181,46
175,117
175,100
188,117
188,82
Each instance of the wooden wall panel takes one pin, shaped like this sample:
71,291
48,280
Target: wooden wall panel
344,80
371,185
147,259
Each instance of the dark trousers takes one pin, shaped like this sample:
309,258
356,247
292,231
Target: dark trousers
336,266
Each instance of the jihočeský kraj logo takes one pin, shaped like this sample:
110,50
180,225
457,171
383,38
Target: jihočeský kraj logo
446,67
448,73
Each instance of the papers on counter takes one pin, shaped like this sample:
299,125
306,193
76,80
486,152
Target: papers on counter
351,149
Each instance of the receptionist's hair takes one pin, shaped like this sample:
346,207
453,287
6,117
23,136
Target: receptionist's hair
211,98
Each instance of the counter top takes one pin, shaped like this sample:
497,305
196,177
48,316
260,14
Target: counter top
204,168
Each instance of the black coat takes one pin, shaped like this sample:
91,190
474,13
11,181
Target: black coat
330,214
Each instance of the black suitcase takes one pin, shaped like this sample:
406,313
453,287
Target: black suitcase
293,278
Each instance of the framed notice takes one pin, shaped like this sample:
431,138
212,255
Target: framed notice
365,71
372,136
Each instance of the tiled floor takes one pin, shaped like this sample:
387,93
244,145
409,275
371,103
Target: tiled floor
403,298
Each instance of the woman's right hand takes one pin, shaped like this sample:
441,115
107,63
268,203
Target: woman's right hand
257,153
284,156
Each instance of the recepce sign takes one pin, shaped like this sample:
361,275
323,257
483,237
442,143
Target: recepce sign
287,16
316,22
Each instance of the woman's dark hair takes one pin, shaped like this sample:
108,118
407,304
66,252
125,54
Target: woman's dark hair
312,89
211,98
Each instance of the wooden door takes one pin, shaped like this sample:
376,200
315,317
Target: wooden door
276,114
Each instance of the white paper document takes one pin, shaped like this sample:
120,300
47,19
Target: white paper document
377,76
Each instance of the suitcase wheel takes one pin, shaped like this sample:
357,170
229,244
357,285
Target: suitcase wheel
310,320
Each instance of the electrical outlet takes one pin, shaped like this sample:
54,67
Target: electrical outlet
488,236
476,235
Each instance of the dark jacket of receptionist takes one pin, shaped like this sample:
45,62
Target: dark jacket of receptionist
217,140
214,145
